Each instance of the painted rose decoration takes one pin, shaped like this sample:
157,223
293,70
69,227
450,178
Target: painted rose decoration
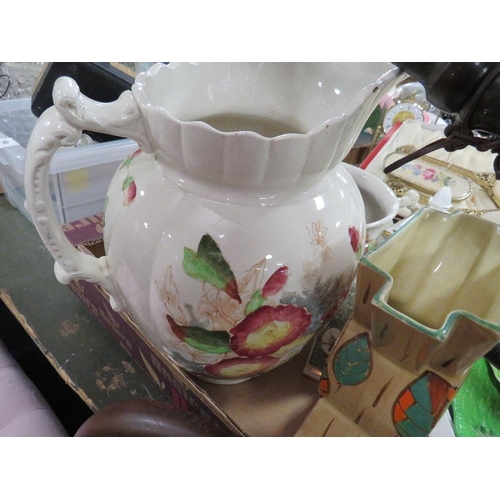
129,187
355,239
247,325
129,190
268,329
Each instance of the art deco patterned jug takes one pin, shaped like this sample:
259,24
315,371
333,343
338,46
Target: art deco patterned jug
234,229
426,310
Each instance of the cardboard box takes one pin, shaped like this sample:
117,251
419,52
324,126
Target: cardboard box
273,404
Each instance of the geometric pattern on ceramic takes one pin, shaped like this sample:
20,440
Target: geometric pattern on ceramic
421,404
439,307
415,369
353,361
365,406
385,400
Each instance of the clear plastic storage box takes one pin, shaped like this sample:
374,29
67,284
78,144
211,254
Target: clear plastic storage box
79,175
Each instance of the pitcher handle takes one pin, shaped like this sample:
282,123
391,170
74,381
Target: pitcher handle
59,126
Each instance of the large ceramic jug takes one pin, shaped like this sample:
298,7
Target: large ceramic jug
234,230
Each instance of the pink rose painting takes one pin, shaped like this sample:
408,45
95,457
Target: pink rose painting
428,174
268,329
129,190
129,187
264,324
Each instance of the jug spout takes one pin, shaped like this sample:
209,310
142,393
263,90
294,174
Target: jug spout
258,124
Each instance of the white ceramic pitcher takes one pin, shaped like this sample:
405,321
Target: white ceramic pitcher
234,229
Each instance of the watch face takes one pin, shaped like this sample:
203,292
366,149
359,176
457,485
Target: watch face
401,112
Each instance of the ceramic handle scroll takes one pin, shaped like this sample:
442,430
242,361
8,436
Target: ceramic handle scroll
120,118
50,133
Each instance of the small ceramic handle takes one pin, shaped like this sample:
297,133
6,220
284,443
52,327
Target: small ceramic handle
59,126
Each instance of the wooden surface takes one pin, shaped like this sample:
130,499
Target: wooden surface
85,355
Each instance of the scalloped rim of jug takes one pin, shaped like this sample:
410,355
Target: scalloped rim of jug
391,75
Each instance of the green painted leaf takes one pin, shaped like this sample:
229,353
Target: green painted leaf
256,302
126,163
215,342
127,182
208,265
352,363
